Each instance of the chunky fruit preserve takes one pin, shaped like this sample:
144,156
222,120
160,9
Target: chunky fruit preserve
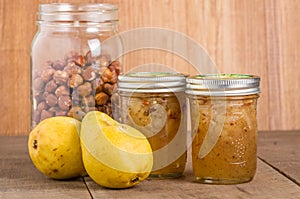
224,127
233,157
154,103
158,116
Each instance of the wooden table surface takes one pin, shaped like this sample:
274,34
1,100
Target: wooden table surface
278,176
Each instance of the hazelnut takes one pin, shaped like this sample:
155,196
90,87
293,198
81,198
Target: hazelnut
73,110
115,65
88,101
51,100
75,81
38,85
77,113
106,75
80,60
57,111
109,88
85,89
54,109
101,98
110,76
62,90
60,77
99,88
46,114
50,86
76,58
44,95
88,74
47,74
64,102
42,106
72,68
59,65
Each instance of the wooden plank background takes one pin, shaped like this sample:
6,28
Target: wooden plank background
260,37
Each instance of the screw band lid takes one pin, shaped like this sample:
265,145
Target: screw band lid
223,84
152,82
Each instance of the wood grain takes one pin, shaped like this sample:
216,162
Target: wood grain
185,187
259,37
281,150
20,179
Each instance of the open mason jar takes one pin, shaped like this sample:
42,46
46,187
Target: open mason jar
224,127
154,103
73,69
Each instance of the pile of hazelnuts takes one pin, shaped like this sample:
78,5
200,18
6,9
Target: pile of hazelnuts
74,86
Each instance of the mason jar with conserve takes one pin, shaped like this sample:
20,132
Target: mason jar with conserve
224,127
74,65
154,103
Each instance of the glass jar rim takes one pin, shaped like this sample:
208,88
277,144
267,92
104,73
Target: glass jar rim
86,12
223,84
84,7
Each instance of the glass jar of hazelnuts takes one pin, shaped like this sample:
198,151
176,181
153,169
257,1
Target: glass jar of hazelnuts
75,61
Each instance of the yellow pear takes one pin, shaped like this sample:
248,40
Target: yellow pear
54,148
114,155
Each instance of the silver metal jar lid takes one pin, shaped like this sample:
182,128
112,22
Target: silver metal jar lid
65,12
223,85
152,82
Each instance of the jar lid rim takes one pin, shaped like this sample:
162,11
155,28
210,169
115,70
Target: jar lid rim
223,76
152,77
223,84
152,81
